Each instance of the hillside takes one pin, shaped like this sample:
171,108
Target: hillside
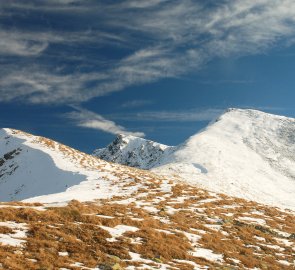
163,225
80,212
244,153
34,168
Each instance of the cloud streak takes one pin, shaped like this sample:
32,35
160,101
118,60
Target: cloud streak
87,119
136,103
14,44
193,115
156,39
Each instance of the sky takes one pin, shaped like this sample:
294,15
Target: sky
81,72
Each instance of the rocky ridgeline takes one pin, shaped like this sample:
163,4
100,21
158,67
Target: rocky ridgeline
133,151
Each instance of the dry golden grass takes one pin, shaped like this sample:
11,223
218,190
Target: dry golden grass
5,230
75,228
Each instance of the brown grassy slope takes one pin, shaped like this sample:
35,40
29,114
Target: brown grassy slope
166,222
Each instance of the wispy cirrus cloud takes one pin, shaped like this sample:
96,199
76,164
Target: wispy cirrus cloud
88,119
161,39
136,103
142,4
220,82
24,43
181,116
38,85
192,115
14,44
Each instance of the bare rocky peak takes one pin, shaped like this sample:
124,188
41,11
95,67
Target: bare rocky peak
133,151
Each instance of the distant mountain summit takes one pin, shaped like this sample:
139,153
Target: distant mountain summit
243,153
133,151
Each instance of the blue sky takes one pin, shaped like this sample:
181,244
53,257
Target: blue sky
82,71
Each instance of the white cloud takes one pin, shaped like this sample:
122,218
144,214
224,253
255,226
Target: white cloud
17,44
136,103
33,43
165,39
142,4
191,115
88,119
172,116
218,82
39,85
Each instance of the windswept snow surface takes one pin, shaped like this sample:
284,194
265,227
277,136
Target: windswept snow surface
36,169
29,169
243,153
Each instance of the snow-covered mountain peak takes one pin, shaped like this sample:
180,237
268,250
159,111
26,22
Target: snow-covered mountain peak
250,115
11,131
34,168
7,132
133,151
259,130
245,153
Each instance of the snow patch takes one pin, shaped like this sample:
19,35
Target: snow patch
207,254
15,238
118,231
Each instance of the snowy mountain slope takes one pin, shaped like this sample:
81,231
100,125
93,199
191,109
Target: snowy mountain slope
134,151
135,219
37,169
27,171
244,153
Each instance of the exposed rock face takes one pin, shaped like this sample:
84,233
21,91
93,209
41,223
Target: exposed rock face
133,151
7,164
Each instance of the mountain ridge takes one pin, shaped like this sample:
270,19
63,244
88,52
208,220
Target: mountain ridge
37,169
133,151
119,217
244,153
